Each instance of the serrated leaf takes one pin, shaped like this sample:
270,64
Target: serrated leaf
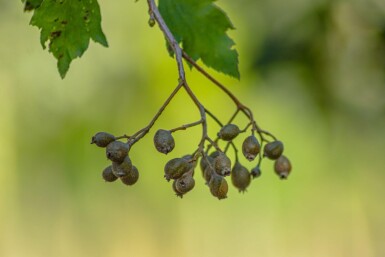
201,27
68,25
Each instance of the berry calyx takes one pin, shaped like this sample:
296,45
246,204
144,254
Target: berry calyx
240,177
251,147
273,150
222,165
282,167
102,139
228,132
108,175
122,169
218,186
116,151
131,178
175,168
164,141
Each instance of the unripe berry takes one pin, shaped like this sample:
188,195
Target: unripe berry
132,177
273,150
102,139
240,177
163,141
251,147
228,132
122,169
256,172
108,175
218,186
282,167
222,165
116,151
185,183
175,168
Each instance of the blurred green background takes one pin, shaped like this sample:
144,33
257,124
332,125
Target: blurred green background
312,71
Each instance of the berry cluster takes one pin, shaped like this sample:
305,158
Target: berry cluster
214,163
214,166
117,152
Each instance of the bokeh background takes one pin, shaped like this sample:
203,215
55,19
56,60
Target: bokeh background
312,71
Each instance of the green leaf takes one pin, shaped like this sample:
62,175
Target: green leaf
201,27
68,25
30,5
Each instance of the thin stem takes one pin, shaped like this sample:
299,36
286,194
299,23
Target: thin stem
186,126
214,117
141,133
234,115
153,9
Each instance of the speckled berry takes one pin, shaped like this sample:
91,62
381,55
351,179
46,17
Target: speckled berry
102,139
175,168
218,186
282,167
251,147
116,151
222,165
240,177
131,178
228,132
122,169
273,150
164,141
108,175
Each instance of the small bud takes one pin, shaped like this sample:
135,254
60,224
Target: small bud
256,172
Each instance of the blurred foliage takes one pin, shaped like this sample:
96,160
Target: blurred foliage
53,201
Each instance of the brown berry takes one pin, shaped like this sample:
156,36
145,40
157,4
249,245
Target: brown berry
251,147
240,177
163,141
185,183
273,150
282,167
175,168
122,169
228,132
102,139
131,178
108,175
256,172
218,186
222,165
116,151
